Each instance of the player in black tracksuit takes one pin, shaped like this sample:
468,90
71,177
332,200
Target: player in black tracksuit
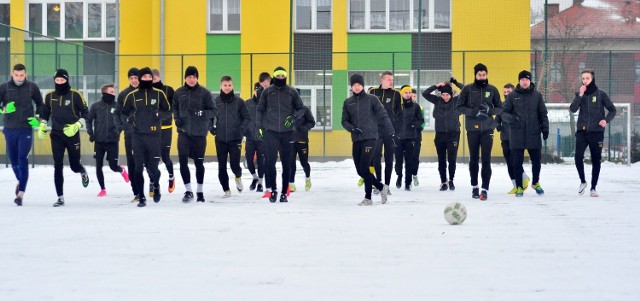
103,133
18,97
231,119
167,130
391,101
591,102
67,110
361,115
121,124
254,147
143,108
479,102
301,148
407,126
447,129
279,107
525,114
193,112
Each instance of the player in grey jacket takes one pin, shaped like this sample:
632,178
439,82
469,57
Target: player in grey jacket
361,114
591,102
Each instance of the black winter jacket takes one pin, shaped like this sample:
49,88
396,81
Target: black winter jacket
471,99
232,117
193,110
445,113
277,104
302,126
526,116
365,112
24,97
591,108
409,122
65,109
100,122
143,108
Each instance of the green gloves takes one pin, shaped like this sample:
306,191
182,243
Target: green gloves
10,108
33,122
288,122
42,129
71,129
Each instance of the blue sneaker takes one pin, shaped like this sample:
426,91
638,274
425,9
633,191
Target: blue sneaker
538,189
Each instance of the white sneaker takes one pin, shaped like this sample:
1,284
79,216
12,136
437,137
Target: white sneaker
376,191
239,184
415,181
365,202
583,187
384,193
227,194
594,193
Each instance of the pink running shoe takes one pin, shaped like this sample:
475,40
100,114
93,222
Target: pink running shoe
102,193
125,175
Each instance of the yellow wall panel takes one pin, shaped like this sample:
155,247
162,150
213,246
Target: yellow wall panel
136,36
17,10
340,34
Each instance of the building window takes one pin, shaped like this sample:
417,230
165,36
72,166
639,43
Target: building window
88,19
318,99
313,15
4,18
224,16
399,15
637,71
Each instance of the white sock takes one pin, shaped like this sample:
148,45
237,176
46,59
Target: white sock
20,194
308,178
61,197
260,181
513,182
475,186
200,188
187,186
255,176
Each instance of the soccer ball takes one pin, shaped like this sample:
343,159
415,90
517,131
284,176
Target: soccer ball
455,213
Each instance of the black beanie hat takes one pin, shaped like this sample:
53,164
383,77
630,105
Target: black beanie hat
143,71
357,79
191,70
524,74
256,86
61,73
479,67
446,89
133,72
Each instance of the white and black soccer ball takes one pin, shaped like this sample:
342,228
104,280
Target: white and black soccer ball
455,213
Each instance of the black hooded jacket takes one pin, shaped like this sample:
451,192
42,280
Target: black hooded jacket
101,123
445,113
232,117
391,101
25,97
408,125
365,112
525,114
251,131
276,105
193,110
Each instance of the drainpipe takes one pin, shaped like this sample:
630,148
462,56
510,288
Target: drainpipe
162,36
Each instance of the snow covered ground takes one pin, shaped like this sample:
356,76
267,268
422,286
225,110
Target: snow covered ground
321,245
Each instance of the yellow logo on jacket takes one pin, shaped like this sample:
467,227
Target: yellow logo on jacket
593,99
475,126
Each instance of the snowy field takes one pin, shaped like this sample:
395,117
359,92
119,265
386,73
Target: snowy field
321,245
